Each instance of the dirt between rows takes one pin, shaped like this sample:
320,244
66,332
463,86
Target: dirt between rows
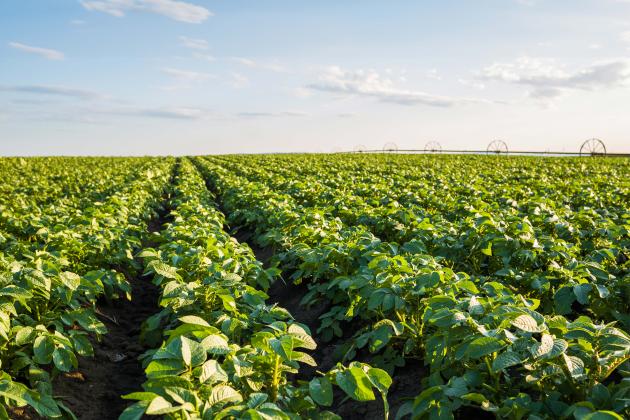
94,391
406,380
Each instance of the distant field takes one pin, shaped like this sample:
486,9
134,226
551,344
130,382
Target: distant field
315,286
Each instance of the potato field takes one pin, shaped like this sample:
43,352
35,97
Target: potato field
365,286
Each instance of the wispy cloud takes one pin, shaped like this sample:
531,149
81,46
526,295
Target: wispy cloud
60,91
194,43
204,57
272,114
433,74
177,10
370,84
47,53
187,75
175,113
239,81
248,62
546,79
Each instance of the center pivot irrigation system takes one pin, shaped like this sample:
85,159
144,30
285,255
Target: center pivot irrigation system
591,147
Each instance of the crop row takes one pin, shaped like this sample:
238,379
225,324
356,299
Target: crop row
61,250
225,352
484,295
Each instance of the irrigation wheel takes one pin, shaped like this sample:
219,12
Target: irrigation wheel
390,147
497,147
433,147
593,147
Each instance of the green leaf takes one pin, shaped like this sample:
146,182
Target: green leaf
602,415
25,335
355,383
543,348
320,389
212,373
506,360
134,411
43,348
71,280
483,346
215,344
581,292
575,365
527,323
224,394
65,360
164,270
380,379
159,405
301,337
195,320
559,347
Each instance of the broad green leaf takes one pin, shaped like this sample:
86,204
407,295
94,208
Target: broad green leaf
159,405
71,280
64,359
320,389
212,372
506,360
355,383
224,394
527,323
215,344
43,348
483,346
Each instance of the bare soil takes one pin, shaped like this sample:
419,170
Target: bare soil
95,390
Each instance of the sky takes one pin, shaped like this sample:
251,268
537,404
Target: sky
175,77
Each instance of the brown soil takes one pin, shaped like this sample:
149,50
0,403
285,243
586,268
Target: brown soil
94,391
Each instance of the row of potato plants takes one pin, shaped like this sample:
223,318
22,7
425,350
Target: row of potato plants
220,350
63,243
488,344
548,252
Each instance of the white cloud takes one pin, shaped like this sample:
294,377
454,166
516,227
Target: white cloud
61,91
433,74
178,10
178,113
369,83
78,22
272,114
625,36
194,43
247,62
43,52
547,79
475,84
204,57
187,75
239,81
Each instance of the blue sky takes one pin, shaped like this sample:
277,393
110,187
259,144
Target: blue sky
137,77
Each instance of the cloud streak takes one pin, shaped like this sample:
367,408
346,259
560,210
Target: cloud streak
370,84
187,75
177,10
60,91
194,43
546,79
47,53
272,114
248,62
